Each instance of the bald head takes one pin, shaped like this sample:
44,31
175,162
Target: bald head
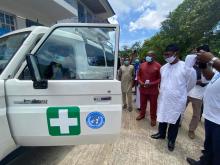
151,52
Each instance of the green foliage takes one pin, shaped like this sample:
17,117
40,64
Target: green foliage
190,25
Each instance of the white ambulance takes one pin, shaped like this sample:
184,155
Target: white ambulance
59,89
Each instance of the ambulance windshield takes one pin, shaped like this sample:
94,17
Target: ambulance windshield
9,45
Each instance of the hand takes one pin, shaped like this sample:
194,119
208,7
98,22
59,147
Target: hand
146,85
204,57
134,83
142,84
202,65
203,84
199,82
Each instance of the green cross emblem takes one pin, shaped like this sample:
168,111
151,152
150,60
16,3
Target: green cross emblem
63,121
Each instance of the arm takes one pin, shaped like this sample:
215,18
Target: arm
139,77
216,65
119,74
133,73
156,82
133,77
208,73
191,78
206,57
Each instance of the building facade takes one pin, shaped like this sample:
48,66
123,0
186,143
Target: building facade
16,16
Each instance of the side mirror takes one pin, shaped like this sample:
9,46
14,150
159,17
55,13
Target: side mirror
32,64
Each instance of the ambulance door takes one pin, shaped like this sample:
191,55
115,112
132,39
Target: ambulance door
7,144
60,105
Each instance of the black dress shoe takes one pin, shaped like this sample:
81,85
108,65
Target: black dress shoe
157,136
192,161
171,146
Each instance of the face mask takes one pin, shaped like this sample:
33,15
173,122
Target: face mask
137,61
126,63
149,59
170,59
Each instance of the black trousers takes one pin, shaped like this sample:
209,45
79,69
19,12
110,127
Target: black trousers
211,153
172,130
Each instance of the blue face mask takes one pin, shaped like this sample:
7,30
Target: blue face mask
149,59
137,61
126,63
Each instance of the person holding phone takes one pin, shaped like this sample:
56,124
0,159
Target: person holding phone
149,78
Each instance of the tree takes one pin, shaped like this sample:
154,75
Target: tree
190,25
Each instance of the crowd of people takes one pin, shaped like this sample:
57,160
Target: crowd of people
169,89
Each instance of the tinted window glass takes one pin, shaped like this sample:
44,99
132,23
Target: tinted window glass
109,58
95,55
81,13
76,53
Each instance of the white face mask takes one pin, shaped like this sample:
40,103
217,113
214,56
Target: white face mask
149,59
170,59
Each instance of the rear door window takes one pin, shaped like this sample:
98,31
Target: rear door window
109,58
95,55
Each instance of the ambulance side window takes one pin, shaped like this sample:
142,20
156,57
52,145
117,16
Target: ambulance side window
25,75
57,61
95,55
109,58
77,53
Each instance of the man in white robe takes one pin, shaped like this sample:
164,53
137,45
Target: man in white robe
177,80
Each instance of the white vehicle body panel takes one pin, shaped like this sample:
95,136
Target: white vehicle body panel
7,143
29,122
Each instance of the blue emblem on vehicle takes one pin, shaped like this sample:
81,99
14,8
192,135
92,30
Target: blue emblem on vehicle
95,120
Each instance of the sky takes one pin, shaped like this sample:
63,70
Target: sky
140,19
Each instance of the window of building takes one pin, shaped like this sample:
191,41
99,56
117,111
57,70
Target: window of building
71,2
30,23
84,14
7,21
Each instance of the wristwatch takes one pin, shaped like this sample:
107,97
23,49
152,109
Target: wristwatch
211,62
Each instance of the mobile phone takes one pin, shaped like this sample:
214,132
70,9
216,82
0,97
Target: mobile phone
147,82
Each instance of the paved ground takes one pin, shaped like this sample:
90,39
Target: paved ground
134,147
